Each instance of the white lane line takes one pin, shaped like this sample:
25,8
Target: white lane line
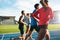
2,37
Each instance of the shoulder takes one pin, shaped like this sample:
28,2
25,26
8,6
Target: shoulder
21,17
49,8
34,10
40,9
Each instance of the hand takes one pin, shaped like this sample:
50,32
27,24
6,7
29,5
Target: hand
25,23
36,19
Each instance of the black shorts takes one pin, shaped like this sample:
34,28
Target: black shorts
21,28
28,26
34,27
42,27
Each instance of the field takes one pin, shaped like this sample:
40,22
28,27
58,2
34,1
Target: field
14,28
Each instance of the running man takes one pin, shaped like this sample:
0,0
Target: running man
33,23
45,15
21,24
28,21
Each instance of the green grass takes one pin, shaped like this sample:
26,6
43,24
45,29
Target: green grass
8,28
14,28
54,27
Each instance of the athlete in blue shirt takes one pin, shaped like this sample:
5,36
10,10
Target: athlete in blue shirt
33,23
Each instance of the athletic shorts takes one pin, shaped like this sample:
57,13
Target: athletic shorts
21,28
34,27
28,26
42,27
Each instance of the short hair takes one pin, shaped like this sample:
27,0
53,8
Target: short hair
27,13
36,5
46,1
22,12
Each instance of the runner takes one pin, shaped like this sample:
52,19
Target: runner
45,15
33,24
28,21
21,24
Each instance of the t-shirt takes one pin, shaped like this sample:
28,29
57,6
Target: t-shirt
27,20
44,16
20,19
33,21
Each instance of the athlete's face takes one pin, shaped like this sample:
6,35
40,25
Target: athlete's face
28,15
37,7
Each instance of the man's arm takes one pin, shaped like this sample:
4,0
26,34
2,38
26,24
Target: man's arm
51,14
23,21
36,19
35,15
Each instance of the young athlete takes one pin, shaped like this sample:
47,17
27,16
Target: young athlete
33,23
21,24
28,21
45,15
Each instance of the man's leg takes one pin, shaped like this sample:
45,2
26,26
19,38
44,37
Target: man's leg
21,27
29,35
47,35
27,30
41,34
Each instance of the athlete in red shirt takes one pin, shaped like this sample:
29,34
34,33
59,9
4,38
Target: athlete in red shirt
45,14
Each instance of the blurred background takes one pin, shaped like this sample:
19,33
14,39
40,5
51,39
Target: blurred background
10,11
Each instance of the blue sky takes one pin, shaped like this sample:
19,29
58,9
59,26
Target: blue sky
14,7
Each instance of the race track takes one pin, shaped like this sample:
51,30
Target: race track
55,35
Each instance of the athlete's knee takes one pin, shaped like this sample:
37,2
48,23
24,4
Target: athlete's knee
41,34
30,34
47,35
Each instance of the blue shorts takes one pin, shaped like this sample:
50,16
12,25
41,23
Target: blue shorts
34,27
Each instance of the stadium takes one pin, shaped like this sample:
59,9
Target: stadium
10,11
9,28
